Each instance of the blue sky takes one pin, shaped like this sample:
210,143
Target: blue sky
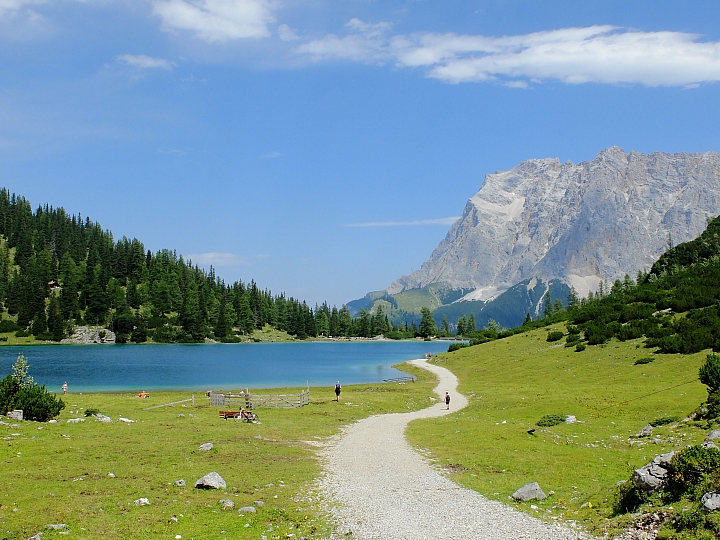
323,147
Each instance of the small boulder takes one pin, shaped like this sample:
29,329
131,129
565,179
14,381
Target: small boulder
142,501
711,502
179,483
55,526
75,420
247,510
211,481
102,418
714,434
227,503
529,492
570,419
15,415
259,503
111,474
654,475
647,431
126,420
205,447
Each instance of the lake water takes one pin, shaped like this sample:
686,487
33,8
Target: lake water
112,368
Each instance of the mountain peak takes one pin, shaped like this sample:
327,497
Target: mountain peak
579,223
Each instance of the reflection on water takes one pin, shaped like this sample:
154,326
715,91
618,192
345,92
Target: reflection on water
202,367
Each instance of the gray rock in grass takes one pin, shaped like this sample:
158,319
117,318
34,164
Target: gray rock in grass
180,483
142,501
227,503
205,447
56,526
711,502
247,510
647,431
529,492
714,434
211,481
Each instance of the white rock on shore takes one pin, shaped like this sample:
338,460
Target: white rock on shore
85,335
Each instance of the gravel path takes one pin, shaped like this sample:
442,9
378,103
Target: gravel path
382,489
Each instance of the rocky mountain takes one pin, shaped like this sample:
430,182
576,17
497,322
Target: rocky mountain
577,224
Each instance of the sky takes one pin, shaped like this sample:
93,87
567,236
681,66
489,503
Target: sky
325,147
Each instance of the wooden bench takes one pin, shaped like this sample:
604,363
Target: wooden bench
229,414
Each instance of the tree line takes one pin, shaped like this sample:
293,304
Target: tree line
58,271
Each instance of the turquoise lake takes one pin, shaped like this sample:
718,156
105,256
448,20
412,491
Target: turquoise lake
114,368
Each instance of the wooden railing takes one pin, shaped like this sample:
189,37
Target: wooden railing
251,401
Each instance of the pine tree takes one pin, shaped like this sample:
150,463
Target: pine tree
427,324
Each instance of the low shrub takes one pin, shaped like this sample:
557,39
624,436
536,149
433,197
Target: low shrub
19,391
457,346
550,420
91,411
580,347
555,335
646,360
664,420
22,333
7,325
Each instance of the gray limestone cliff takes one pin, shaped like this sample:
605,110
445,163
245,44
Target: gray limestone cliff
581,223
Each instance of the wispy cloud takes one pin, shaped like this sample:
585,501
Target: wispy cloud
270,155
143,61
10,7
223,259
595,54
216,20
438,221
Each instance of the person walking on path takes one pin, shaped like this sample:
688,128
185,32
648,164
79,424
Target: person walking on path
337,391
447,400
64,387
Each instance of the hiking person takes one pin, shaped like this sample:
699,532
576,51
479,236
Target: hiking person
447,400
337,391
64,387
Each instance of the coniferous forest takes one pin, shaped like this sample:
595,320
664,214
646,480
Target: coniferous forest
58,271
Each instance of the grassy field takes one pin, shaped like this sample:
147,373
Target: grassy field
514,382
59,473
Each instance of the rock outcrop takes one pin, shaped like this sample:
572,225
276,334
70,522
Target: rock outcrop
580,223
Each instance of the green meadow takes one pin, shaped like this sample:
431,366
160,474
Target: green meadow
58,473
512,383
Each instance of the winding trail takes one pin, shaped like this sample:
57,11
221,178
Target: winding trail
382,489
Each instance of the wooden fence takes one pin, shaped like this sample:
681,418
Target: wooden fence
251,401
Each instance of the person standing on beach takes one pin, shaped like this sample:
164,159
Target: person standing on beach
447,400
337,391
64,387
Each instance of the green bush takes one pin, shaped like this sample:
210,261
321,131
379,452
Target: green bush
710,373
456,346
645,360
692,464
38,404
91,411
7,325
22,333
555,335
550,420
19,391
580,347
664,420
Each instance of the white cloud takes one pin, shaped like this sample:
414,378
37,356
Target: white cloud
437,221
215,259
10,7
270,155
144,61
216,20
595,54
285,33
222,259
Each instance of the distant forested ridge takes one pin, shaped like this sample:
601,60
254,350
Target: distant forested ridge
58,271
